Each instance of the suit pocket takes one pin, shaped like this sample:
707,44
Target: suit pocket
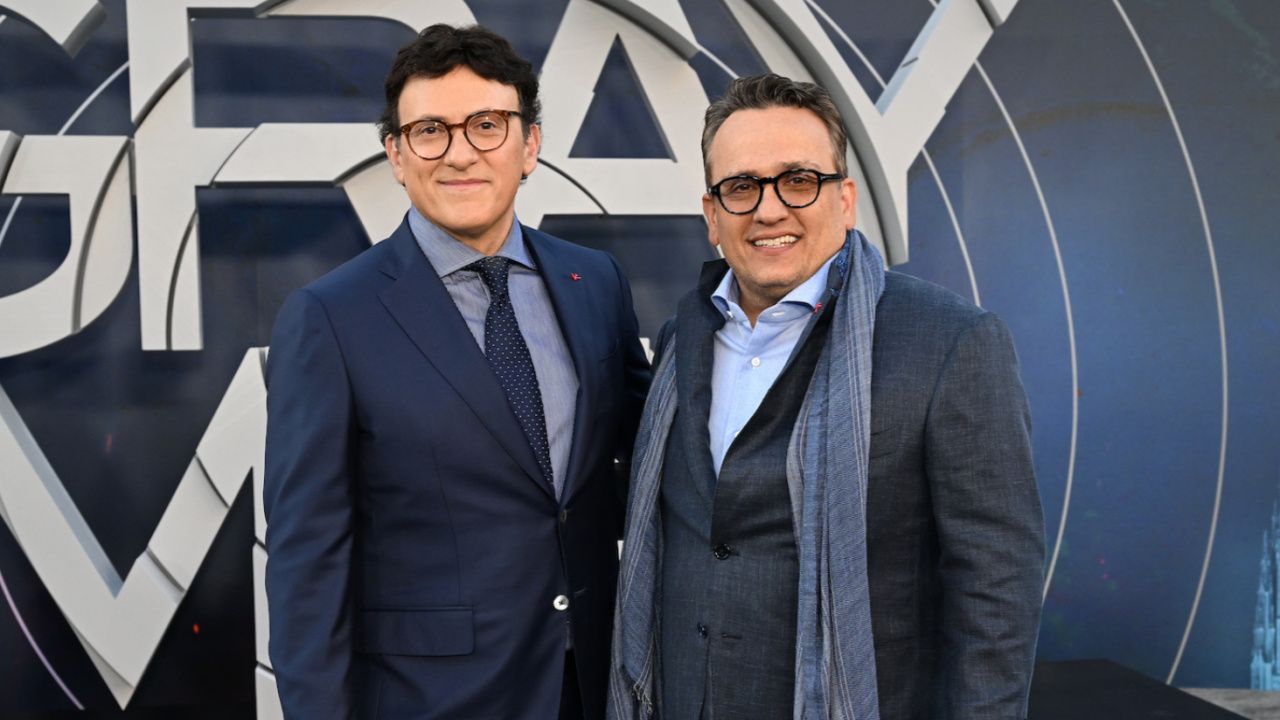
426,632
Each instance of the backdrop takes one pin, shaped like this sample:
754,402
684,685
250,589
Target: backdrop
1101,173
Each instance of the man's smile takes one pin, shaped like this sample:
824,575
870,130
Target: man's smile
776,241
464,184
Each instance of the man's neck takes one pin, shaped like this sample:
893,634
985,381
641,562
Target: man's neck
487,241
752,306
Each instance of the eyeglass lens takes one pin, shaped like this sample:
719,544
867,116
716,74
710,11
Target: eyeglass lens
485,131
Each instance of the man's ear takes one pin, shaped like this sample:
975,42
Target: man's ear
532,144
849,203
392,147
709,212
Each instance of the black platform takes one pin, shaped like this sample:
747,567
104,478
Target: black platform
1102,690
1074,690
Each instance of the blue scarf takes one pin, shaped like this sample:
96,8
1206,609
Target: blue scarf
835,672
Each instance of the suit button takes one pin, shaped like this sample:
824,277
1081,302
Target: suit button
722,551
560,603
702,630
564,516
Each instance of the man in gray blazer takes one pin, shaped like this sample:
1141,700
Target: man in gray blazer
833,510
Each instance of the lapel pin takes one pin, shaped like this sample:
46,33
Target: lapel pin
575,277
817,308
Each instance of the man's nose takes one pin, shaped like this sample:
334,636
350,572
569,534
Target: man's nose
461,153
771,209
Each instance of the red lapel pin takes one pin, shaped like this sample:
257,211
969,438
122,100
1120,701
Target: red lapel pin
817,307
575,276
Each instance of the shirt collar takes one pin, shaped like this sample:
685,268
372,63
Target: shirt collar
808,293
448,255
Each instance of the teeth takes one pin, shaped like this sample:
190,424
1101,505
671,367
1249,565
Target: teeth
776,242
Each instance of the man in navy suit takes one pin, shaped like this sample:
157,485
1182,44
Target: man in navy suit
445,416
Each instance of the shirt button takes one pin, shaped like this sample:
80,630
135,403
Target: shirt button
755,362
702,630
561,603
722,551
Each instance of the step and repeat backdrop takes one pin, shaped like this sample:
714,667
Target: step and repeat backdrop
1101,173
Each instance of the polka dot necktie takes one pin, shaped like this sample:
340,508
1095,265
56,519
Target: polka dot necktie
509,357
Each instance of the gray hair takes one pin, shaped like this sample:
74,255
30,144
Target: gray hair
758,92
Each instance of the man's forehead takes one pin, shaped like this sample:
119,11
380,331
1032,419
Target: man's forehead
769,141
458,92
771,167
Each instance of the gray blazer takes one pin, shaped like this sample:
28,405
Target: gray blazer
955,528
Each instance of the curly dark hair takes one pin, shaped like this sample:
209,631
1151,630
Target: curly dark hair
758,92
441,48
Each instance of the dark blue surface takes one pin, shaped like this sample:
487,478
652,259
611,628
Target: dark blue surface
620,123
37,242
291,69
1147,334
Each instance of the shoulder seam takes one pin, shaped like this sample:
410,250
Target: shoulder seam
978,319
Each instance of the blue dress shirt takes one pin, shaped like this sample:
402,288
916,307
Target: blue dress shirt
749,359
557,378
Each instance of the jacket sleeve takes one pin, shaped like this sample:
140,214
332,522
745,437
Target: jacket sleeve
990,525
307,500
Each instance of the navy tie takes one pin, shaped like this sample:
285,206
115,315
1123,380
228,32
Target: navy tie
508,356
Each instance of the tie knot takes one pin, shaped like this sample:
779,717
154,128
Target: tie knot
493,271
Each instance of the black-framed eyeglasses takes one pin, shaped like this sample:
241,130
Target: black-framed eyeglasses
741,194
485,129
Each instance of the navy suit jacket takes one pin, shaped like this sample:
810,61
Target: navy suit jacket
414,550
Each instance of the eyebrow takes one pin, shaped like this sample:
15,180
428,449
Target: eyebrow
793,165
441,119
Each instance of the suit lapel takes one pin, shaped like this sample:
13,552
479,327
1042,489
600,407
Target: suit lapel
697,321
569,301
423,308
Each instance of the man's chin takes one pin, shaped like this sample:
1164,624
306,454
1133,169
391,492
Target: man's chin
773,290
463,226
779,285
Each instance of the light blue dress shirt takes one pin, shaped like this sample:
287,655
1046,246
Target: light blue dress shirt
749,359
557,379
